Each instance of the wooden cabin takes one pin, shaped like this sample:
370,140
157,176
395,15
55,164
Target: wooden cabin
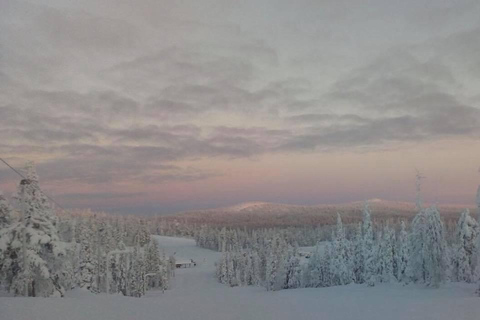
185,263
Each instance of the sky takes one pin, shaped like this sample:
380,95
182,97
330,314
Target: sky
154,106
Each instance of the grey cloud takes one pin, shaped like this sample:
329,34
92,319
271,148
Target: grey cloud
184,176
106,104
392,79
72,30
406,99
442,122
309,118
112,92
98,195
177,65
167,109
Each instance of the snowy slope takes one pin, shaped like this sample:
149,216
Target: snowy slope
197,295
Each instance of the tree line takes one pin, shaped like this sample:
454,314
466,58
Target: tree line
419,253
44,255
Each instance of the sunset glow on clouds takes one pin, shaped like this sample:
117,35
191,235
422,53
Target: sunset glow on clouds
157,106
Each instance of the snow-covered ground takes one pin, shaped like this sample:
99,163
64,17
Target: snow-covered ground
195,294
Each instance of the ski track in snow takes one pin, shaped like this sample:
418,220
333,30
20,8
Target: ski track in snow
196,294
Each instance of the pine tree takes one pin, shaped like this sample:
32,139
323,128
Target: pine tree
6,220
368,248
88,261
435,253
222,269
416,247
387,255
223,240
231,274
293,271
165,273
340,266
137,273
358,263
403,254
33,244
153,264
314,270
466,238
257,269
6,213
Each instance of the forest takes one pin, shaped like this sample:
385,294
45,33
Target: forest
45,252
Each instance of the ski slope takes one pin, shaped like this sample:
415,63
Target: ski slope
196,294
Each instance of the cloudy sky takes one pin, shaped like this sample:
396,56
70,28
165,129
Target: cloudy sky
159,106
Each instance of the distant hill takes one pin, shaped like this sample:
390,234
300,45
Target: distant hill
265,214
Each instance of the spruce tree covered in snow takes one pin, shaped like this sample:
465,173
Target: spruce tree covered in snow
403,254
32,245
223,240
292,270
428,251
231,273
6,221
370,262
257,269
6,212
340,267
358,262
153,265
272,268
314,273
435,249
88,258
136,274
221,268
142,236
465,248
386,255
416,248
166,272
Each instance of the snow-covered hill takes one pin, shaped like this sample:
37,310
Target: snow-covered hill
274,214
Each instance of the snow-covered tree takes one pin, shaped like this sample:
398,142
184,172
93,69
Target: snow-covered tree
357,248
386,255
314,273
416,247
257,269
153,265
231,273
35,250
88,258
466,241
403,254
136,274
142,236
166,273
341,270
435,249
6,221
271,271
292,270
370,268
6,212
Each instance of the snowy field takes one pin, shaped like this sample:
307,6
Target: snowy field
196,294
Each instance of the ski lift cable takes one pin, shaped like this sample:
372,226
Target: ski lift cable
21,175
